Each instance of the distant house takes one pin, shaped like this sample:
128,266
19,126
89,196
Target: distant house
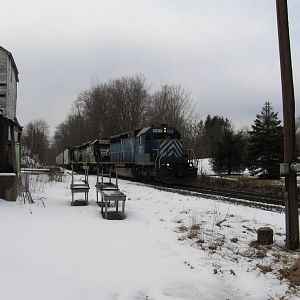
10,130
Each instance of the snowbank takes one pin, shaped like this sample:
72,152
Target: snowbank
204,167
50,250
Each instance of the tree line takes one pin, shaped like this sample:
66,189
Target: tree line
122,105
126,103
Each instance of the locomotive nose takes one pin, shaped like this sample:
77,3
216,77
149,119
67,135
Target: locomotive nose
171,150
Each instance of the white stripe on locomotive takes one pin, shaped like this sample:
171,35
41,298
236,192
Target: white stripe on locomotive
170,147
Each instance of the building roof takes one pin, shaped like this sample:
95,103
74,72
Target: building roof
12,62
8,121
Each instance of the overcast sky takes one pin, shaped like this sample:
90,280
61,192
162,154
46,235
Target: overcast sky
223,52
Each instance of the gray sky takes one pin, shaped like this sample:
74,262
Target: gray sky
223,52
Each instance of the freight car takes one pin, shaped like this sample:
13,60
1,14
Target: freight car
153,153
65,158
96,151
91,153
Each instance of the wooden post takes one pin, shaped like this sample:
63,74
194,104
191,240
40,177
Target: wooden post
72,175
265,236
97,183
97,180
291,212
123,209
106,204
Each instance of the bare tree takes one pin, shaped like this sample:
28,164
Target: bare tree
172,105
128,98
124,104
104,110
35,140
116,106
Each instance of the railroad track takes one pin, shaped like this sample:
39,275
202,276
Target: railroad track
260,200
255,197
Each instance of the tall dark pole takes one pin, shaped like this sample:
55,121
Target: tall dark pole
291,212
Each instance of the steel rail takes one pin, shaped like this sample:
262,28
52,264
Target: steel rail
260,200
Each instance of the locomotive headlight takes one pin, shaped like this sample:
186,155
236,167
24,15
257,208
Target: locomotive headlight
165,130
191,165
168,165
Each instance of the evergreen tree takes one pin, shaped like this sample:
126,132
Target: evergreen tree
265,147
213,131
228,154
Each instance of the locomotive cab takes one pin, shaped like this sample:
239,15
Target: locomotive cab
149,140
161,147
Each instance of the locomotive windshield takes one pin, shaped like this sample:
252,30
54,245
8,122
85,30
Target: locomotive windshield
165,133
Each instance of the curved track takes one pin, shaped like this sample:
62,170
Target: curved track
259,200
255,197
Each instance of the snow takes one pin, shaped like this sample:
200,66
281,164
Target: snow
204,167
7,174
51,250
41,170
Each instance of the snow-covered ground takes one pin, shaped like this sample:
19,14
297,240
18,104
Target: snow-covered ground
204,167
170,246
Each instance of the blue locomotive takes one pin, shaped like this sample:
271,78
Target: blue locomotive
152,153
155,152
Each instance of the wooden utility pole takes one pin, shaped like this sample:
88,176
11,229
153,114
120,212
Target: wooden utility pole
291,207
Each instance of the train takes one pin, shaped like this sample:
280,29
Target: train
154,153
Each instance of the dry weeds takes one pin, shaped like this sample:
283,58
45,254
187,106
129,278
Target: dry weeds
265,268
292,273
